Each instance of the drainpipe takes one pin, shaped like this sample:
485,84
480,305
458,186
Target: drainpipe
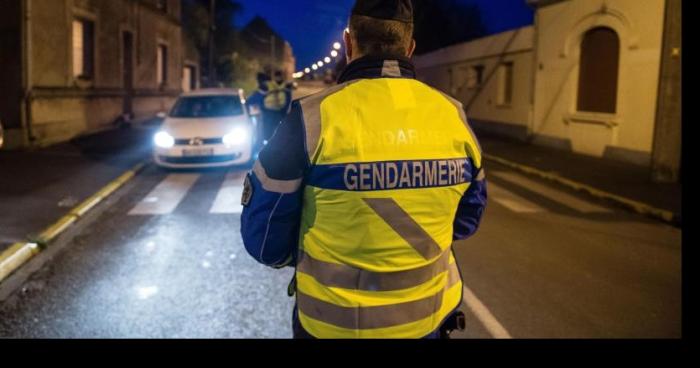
27,70
535,69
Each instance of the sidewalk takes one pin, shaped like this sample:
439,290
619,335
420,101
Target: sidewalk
620,179
38,187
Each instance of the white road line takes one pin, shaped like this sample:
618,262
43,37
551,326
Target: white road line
511,201
484,315
558,196
165,197
228,200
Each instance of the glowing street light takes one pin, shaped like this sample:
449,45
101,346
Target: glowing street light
307,70
314,67
334,53
336,46
320,64
327,60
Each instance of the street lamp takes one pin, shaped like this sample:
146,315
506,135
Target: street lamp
336,46
307,70
327,60
314,67
334,53
320,64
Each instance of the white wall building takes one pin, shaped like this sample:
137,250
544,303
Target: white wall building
585,77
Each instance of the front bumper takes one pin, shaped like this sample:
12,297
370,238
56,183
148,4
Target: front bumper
221,156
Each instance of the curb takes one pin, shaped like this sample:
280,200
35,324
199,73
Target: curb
636,206
19,253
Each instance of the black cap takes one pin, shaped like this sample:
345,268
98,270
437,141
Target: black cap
399,10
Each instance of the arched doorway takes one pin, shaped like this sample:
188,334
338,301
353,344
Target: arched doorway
598,71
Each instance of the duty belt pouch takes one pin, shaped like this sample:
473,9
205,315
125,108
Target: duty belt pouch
456,322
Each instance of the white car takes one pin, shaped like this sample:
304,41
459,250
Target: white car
205,128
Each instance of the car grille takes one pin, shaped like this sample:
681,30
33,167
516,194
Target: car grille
199,159
186,142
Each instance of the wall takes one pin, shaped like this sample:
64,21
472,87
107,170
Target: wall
448,70
63,107
626,135
546,60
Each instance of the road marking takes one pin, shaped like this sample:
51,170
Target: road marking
228,200
511,201
484,315
166,196
564,199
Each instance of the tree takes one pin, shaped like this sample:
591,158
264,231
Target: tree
196,23
442,23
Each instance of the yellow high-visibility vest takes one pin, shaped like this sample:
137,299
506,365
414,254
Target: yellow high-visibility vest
390,160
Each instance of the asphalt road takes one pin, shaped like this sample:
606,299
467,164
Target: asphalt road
165,260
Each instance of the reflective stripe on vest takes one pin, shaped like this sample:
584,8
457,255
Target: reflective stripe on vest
352,278
378,316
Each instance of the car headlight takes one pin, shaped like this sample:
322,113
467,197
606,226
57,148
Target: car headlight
164,140
238,135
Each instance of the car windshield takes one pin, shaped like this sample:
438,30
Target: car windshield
207,107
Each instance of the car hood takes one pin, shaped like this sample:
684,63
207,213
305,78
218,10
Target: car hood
203,128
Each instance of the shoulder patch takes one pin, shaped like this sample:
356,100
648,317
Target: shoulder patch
247,191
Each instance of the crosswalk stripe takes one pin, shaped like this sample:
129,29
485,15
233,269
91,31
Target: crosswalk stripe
511,201
165,197
228,200
564,199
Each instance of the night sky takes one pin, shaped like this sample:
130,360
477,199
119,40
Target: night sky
311,26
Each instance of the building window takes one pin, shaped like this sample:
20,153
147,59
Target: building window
598,71
505,84
83,48
475,77
162,65
189,78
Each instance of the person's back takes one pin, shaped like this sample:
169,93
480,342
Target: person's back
393,160
276,103
279,96
373,179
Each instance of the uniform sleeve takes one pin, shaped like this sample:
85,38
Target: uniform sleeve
272,198
471,206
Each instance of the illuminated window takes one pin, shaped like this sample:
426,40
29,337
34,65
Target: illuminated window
189,78
83,48
598,71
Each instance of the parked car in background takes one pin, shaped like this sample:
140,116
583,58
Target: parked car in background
205,128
